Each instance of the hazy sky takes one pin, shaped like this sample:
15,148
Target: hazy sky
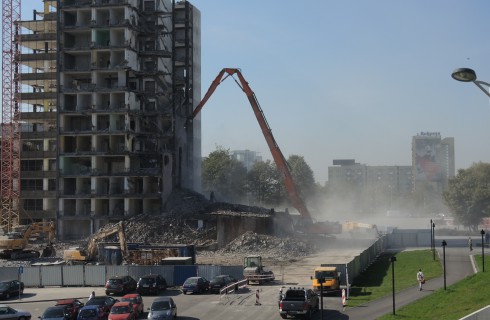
346,79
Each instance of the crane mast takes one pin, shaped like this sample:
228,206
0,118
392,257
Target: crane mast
10,153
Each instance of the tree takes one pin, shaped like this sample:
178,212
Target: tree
302,175
468,194
263,183
223,175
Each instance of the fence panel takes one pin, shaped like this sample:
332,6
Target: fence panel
73,275
51,276
95,276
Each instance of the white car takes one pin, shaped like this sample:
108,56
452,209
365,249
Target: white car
7,312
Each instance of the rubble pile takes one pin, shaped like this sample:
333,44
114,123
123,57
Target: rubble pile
168,230
269,246
181,224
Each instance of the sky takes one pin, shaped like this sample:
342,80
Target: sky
345,79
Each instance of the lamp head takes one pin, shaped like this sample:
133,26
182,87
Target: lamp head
482,232
444,243
464,75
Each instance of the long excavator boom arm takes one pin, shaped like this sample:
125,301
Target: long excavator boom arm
280,161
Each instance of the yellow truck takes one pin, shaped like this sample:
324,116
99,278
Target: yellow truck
326,279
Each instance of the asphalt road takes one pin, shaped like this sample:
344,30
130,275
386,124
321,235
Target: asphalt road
251,302
260,302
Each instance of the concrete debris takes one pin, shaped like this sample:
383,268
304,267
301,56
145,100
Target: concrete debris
191,219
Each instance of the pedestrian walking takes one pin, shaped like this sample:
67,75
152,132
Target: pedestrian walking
420,279
470,243
91,295
281,296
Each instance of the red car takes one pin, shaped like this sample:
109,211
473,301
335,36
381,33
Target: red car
122,311
74,306
136,300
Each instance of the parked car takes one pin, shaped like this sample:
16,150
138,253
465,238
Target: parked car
195,285
74,306
9,313
120,285
151,284
11,288
91,313
56,313
162,308
136,300
221,281
122,311
105,303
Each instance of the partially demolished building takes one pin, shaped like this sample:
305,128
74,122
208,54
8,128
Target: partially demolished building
107,89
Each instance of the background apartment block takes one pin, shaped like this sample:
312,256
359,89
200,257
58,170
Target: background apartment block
247,157
371,189
108,87
432,161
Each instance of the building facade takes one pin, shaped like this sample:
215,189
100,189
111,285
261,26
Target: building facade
110,88
247,157
370,188
433,161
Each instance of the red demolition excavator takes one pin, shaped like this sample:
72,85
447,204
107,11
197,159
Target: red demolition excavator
307,224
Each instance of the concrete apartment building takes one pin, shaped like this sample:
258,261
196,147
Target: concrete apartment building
373,188
432,161
107,90
380,188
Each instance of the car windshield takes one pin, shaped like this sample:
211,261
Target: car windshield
218,280
115,281
191,281
160,305
147,281
87,313
54,313
120,309
325,274
133,300
96,301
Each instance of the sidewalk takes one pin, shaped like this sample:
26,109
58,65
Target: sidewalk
459,265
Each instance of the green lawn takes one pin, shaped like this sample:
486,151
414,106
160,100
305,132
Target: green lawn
376,281
459,300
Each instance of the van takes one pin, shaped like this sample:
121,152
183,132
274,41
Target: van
331,280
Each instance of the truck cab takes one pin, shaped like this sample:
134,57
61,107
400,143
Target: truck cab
326,277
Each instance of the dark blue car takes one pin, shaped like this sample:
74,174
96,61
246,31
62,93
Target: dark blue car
91,313
195,285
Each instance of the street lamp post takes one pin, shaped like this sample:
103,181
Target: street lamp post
469,75
393,259
433,241
444,244
321,280
483,249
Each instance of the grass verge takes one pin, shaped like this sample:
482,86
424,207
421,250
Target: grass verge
459,300
376,281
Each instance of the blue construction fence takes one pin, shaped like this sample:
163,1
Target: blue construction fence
96,275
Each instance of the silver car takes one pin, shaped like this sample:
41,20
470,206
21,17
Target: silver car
7,312
162,308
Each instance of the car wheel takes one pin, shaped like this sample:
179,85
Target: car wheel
7,295
21,291
22,318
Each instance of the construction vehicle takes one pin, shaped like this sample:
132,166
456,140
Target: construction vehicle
254,271
89,254
14,245
326,279
306,224
360,229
